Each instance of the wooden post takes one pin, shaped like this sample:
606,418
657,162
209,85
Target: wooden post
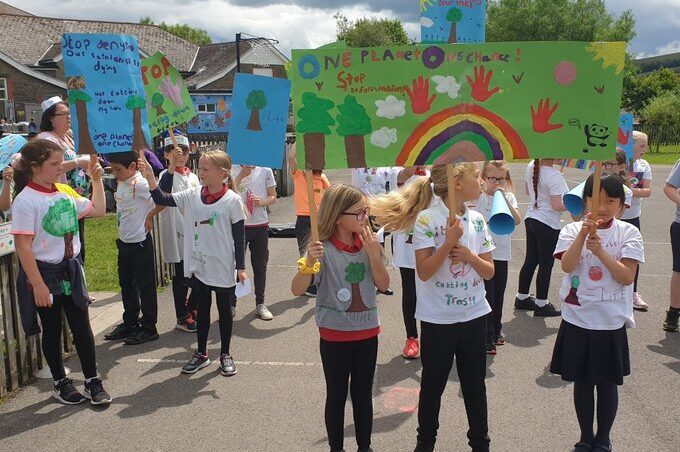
451,191
309,175
595,198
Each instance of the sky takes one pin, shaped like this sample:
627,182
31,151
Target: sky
310,23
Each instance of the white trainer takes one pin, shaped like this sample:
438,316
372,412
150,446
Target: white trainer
262,312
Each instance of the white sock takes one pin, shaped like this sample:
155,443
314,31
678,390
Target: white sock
540,303
56,382
522,296
88,380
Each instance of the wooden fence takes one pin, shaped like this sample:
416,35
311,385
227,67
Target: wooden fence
22,355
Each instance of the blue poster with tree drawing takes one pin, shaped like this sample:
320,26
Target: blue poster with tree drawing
451,21
257,129
106,93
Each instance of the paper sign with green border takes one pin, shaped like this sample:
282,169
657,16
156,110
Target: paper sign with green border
445,103
168,100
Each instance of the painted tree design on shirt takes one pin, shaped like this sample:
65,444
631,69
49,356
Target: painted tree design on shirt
61,220
355,273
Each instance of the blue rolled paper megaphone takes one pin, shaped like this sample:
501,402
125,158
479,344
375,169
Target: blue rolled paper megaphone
573,200
501,221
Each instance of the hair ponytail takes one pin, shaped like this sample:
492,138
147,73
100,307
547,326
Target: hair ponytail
34,153
537,173
397,210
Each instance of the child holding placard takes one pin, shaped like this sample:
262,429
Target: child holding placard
545,186
599,259
351,268
213,249
257,188
176,178
495,176
640,178
51,277
452,260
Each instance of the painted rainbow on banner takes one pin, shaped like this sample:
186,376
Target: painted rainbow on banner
578,164
466,132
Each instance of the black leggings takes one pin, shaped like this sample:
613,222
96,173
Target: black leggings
349,364
204,299
439,345
408,300
495,293
257,238
607,405
180,289
635,222
541,242
79,322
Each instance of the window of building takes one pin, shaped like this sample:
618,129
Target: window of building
206,108
265,71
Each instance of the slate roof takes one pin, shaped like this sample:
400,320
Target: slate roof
29,39
214,59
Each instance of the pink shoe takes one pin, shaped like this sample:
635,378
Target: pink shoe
638,303
411,349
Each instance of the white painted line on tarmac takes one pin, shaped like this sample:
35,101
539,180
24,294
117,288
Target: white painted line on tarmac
241,363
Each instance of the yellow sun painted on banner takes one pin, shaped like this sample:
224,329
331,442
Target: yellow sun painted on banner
425,4
610,53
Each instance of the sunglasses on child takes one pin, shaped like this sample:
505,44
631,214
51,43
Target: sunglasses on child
360,215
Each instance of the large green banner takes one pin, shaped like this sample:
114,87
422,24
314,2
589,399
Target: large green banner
168,101
445,103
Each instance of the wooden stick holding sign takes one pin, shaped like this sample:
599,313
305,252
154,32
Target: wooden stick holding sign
451,191
595,198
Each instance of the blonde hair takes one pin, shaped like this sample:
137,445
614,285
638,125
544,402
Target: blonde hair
501,165
397,210
637,135
221,160
335,201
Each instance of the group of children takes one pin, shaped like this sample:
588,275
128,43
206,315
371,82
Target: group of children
453,273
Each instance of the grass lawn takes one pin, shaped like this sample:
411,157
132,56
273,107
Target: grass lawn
100,254
667,155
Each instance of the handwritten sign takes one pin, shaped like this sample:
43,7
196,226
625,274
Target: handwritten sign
106,94
257,130
6,239
168,101
452,21
624,139
426,104
10,145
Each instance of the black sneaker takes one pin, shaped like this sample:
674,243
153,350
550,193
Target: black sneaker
196,363
490,349
142,335
66,393
96,393
388,292
548,310
671,322
499,340
227,366
311,291
121,332
528,304
582,446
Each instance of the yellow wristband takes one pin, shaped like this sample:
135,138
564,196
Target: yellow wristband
306,270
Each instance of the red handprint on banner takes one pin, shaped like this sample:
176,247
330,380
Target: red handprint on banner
541,116
480,86
420,102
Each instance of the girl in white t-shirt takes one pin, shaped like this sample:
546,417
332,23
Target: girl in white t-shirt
257,188
213,248
599,259
414,194
640,181
495,176
176,178
45,218
452,262
545,186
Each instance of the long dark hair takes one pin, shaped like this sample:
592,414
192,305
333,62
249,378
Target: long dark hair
611,183
34,153
46,119
537,173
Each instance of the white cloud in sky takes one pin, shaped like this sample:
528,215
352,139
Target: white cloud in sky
390,108
384,137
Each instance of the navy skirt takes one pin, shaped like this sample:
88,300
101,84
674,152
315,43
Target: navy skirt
591,356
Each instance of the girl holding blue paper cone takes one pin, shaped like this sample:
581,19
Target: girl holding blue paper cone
495,177
545,186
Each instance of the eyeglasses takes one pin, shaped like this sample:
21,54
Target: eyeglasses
68,113
497,180
607,165
360,215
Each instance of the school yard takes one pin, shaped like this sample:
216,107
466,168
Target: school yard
275,403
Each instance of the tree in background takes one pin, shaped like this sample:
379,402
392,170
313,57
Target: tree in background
192,34
640,89
367,32
661,118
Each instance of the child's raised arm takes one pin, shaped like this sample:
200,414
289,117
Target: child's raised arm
98,197
623,272
302,280
571,257
5,195
381,278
